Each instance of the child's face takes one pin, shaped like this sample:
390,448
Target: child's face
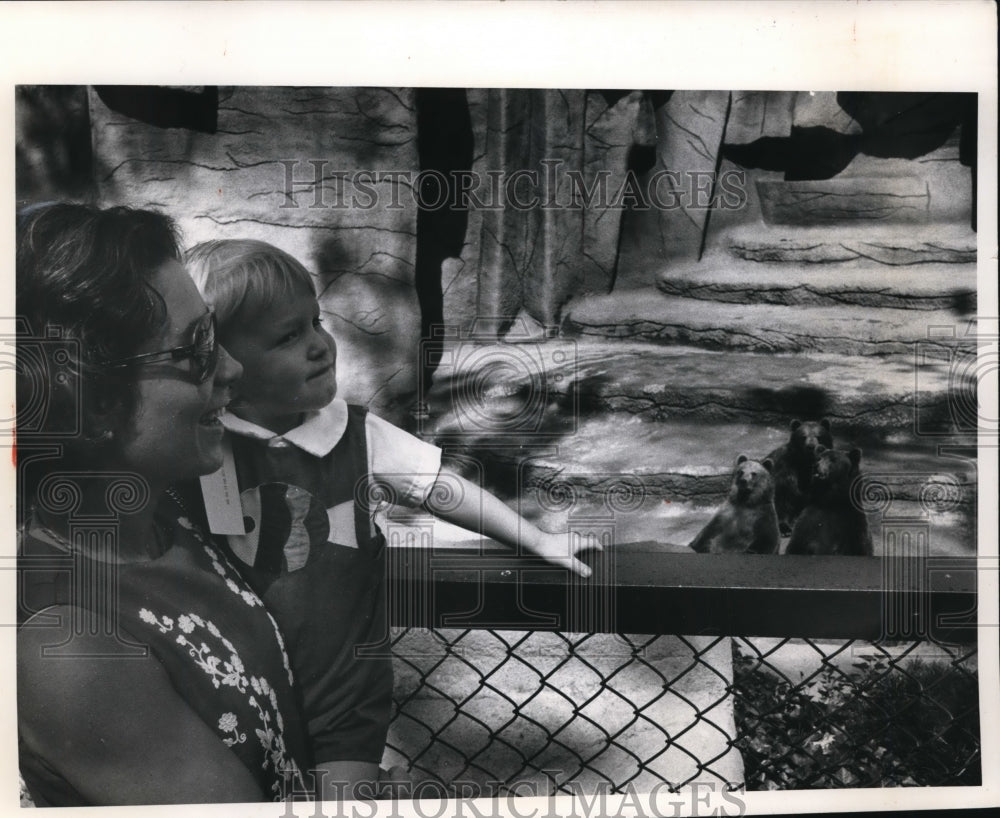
289,364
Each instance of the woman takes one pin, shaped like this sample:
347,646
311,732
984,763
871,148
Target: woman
148,672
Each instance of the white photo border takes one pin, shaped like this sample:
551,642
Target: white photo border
914,45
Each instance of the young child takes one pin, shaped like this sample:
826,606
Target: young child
303,461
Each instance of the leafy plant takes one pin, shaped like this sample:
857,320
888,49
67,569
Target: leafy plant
885,725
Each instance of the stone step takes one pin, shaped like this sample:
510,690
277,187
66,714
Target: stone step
872,247
692,461
842,200
663,481
672,522
529,393
935,286
649,315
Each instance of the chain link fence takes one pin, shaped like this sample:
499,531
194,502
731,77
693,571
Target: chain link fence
496,709
856,714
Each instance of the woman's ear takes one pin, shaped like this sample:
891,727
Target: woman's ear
96,428
101,415
49,396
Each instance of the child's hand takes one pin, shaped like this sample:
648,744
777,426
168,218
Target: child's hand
558,549
478,510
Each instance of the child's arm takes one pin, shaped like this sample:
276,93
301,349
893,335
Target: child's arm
477,510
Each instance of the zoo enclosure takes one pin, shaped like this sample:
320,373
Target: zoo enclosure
871,709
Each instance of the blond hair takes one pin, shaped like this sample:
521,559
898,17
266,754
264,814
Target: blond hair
240,277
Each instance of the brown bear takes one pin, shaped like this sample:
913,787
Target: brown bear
831,523
746,521
793,469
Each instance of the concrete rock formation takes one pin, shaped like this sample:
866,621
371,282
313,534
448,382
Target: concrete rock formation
278,166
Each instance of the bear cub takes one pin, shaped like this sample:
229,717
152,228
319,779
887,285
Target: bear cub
746,521
794,463
831,523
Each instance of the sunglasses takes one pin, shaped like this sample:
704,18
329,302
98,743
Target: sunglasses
203,352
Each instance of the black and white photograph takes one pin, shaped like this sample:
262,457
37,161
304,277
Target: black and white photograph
621,445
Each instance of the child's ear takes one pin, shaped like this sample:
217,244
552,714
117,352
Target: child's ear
741,459
767,463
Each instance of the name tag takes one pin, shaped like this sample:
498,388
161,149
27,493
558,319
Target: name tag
222,495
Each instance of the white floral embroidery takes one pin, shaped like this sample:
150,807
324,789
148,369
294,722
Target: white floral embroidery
184,522
251,599
246,594
228,723
230,672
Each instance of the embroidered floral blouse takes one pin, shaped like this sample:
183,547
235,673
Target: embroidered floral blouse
220,648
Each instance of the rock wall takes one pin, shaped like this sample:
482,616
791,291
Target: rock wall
273,168
52,151
801,158
283,164
279,164
536,243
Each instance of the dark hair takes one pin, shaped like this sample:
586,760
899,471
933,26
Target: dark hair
83,297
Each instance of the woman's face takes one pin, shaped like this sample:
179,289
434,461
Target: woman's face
176,432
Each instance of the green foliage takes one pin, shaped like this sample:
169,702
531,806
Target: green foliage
885,724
